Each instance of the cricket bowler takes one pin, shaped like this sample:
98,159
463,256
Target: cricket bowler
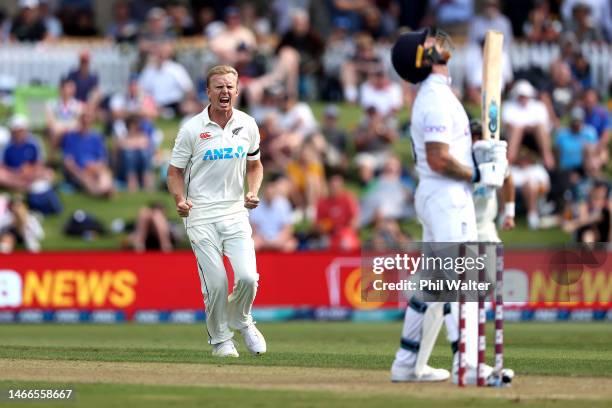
442,146
212,153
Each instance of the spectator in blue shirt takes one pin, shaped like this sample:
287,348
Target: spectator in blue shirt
22,163
598,116
572,141
85,158
86,82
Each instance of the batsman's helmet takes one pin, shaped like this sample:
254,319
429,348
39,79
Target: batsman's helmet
412,61
404,56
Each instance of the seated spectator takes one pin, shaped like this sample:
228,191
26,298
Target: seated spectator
225,43
63,114
52,23
181,22
572,141
85,159
272,220
336,140
337,217
562,91
524,115
309,45
80,23
373,141
581,24
355,70
380,26
155,32
123,28
269,104
133,102
135,155
541,26
491,18
387,235
590,221
296,121
166,81
598,116
86,82
22,169
153,230
451,16
532,182
28,25
378,91
339,47
18,226
307,177
581,70
387,196
21,158
600,13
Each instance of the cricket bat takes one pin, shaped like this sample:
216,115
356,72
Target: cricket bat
491,84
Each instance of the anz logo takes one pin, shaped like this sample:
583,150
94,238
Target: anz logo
224,153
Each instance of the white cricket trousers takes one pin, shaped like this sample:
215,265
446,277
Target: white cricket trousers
447,215
232,238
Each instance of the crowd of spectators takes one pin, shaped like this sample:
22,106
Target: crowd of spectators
327,181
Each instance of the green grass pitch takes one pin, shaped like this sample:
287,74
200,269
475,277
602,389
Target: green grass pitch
308,364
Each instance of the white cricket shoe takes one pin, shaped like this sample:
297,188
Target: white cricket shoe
225,349
254,340
490,377
404,373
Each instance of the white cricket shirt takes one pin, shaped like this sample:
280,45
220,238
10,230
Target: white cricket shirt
214,160
438,116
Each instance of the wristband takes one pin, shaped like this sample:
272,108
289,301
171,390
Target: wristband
509,210
475,175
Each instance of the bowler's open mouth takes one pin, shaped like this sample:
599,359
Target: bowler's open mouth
224,100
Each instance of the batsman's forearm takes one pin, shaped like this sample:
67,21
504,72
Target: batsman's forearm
455,170
175,183
254,176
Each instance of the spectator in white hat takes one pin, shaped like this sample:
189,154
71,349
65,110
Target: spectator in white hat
525,116
28,26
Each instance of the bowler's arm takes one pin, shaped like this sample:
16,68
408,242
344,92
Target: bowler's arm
254,174
176,188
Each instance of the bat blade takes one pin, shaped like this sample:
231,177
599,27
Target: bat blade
491,84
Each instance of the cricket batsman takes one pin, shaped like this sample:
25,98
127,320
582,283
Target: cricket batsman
212,153
442,146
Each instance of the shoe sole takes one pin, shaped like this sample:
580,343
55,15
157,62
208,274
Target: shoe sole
414,379
226,355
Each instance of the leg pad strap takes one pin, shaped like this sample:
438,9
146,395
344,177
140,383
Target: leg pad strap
410,345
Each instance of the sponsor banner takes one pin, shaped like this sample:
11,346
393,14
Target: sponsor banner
116,286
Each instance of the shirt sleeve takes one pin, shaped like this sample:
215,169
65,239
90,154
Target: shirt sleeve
254,153
183,149
437,126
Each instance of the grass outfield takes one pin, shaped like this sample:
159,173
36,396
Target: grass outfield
308,364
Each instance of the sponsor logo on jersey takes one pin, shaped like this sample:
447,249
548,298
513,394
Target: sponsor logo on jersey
224,153
238,129
435,129
205,135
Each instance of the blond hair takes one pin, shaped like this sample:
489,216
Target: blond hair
220,70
